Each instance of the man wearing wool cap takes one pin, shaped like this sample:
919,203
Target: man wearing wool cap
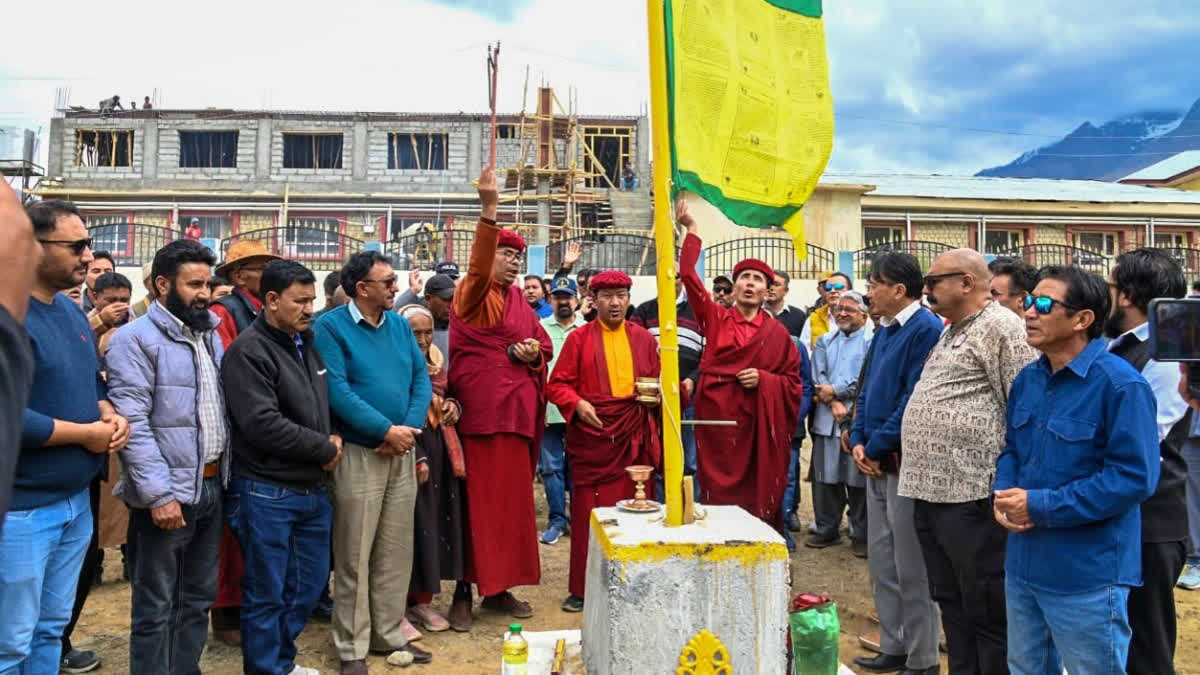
750,373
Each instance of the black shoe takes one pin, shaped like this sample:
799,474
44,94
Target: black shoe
573,604
76,661
420,656
883,663
859,548
932,670
823,541
324,609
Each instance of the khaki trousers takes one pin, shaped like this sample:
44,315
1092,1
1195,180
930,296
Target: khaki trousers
374,498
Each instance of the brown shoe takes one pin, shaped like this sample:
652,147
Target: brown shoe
508,603
460,616
354,667
233,638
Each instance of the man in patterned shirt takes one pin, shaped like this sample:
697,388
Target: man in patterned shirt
952,433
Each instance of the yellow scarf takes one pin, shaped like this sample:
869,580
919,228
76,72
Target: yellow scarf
818,324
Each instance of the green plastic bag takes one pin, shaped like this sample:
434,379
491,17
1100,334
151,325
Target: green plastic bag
814,635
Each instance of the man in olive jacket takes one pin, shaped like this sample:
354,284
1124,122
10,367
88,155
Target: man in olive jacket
277,506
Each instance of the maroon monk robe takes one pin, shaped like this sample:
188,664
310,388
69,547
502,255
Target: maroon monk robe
504,411
598,457
746,465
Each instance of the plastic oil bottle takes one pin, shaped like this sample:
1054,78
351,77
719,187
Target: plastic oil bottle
516,652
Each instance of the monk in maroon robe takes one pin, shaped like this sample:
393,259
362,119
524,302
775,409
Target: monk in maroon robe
498,357
749,373
594,386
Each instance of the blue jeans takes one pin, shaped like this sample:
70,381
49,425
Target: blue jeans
791,495
552,465
41,552
1085,632
173,577
284,535
1191,455
687,438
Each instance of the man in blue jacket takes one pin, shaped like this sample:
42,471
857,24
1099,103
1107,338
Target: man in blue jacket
379,392
68,430
1081,454
907,332
163,374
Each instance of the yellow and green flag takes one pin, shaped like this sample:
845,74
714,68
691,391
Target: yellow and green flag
751,113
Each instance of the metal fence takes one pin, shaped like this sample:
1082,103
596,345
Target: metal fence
131,244
1040,255
422,250
632,254
1189,260
924,251
778,252
317,249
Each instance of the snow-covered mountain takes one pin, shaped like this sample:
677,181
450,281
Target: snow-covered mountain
1110,151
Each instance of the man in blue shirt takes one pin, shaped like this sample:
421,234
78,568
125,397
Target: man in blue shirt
907,616
535,295
379,394
69,429
1081,454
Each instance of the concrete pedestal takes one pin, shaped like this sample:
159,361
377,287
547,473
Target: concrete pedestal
652,588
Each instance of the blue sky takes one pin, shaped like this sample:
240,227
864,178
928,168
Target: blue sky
1035,69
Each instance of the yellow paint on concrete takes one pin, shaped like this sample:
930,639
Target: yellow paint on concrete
748,553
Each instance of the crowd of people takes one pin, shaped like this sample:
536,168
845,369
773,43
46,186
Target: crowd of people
1017,482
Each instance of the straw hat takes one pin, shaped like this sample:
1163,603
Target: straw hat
243,252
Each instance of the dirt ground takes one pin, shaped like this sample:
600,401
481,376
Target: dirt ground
104,626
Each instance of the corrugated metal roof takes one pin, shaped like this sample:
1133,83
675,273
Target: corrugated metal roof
1171,166
1015,189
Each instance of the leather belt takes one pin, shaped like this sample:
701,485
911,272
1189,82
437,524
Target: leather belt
212,469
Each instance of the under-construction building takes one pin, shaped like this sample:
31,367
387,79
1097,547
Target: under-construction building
318,186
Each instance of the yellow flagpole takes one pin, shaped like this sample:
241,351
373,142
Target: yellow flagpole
664,239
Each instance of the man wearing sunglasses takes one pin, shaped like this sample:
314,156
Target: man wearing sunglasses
820,320
1081,454
69,428
1138,277
952,433
722,291
907,615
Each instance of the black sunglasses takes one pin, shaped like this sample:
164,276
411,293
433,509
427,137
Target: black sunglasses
722,289
1044,304
76,246
931,280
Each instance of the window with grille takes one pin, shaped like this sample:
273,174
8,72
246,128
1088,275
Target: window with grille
997,241
208,149
109,232
211,227
418,151
1170,240
1100,242
311,237
874,235
312,151
102,147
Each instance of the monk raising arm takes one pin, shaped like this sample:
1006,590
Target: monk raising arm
471,301
703,306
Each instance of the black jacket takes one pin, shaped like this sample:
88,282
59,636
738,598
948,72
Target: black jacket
240,309
278,408
793,319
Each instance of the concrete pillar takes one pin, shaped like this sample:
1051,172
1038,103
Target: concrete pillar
642,148
542,235
262,150
150,149
651,589
60,136
359,170
475,150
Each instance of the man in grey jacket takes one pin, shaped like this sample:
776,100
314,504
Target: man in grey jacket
163,376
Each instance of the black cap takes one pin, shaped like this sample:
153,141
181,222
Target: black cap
440,285
447,268
721,278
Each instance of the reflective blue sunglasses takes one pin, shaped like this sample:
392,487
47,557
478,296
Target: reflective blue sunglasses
838,286
1044,304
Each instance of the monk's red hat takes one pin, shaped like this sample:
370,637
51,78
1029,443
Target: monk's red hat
756,265
511,239
610,279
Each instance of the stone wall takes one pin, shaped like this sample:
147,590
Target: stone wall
66,144
456,174
954,234
280,127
